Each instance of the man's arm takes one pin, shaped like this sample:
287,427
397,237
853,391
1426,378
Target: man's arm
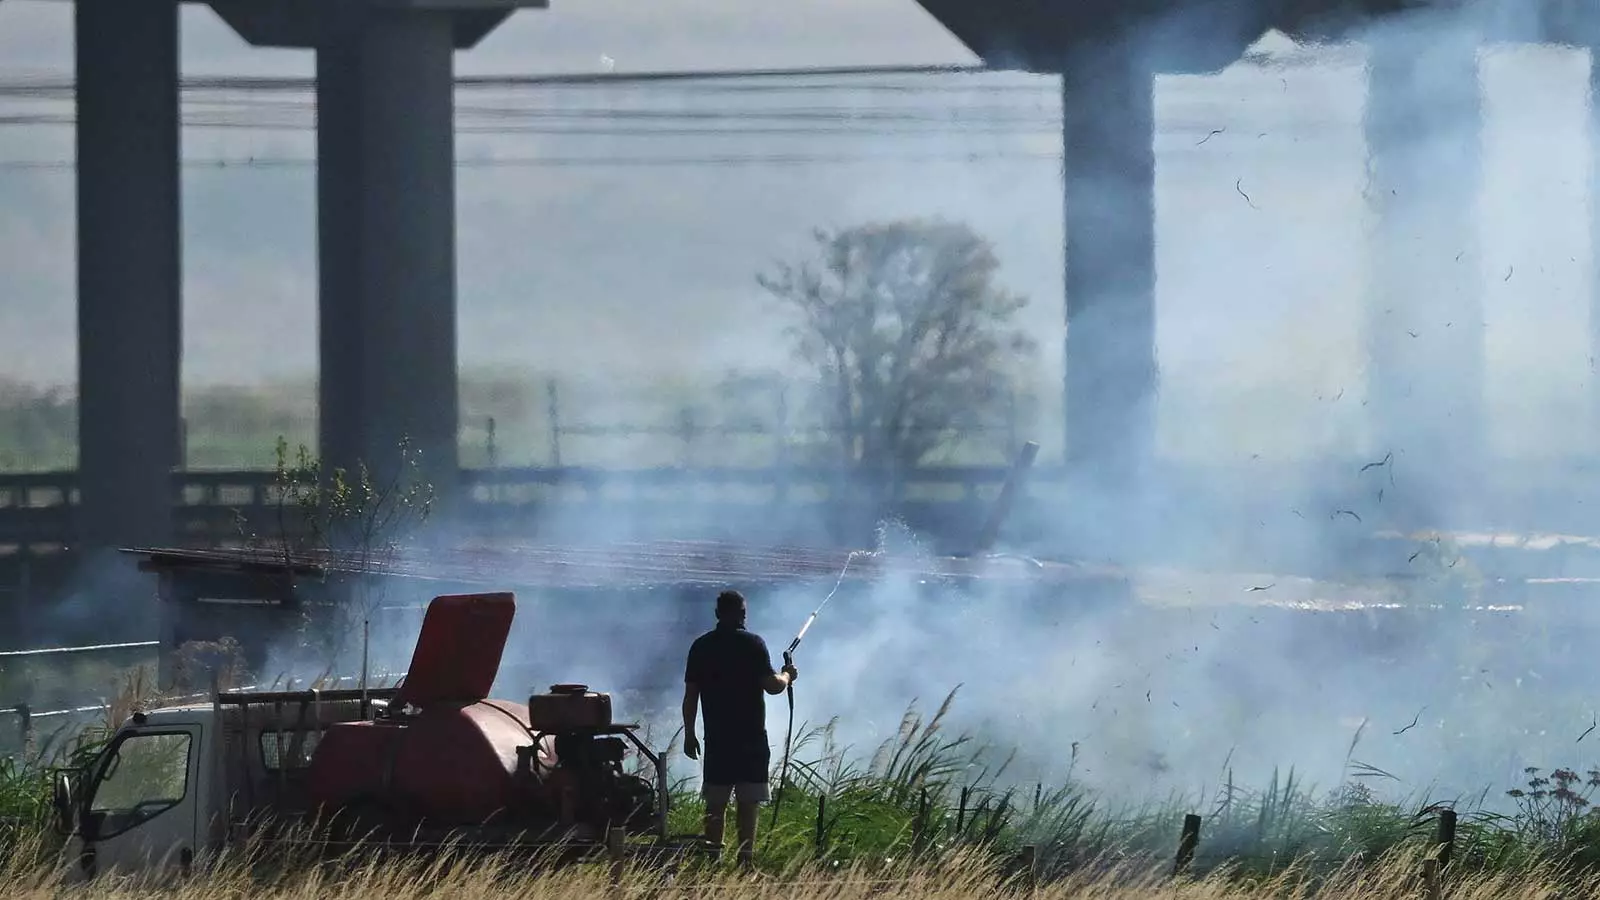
692,676
691,706
776,682
773,681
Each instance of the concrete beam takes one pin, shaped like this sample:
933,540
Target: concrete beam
1108,113
313,24
1425,316
1594,231
129,271
1190,37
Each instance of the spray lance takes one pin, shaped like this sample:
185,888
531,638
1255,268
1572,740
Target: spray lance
788,660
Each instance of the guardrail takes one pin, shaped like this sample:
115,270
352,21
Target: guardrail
27,717
37,511
67,651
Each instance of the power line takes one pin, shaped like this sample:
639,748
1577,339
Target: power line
533,162
64,83
656,122
699,79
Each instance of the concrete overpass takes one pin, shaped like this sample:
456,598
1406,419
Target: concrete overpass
1422,131
386,233
386,215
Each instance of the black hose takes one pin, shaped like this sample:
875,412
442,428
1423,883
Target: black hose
788,743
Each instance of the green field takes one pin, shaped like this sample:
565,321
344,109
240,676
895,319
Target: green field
538,419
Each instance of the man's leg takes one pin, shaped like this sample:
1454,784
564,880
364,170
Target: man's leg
749,813
751,796
716,797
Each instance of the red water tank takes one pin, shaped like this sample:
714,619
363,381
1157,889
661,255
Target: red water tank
450,764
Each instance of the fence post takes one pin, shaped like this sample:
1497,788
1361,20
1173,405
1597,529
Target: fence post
919,825
24,724
1187,841
1030,865
1446,839
614,844
961,812
1430,877
552,413
822,827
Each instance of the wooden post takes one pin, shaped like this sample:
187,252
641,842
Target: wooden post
24,724
615,838
1430,877
1030,865
1187,841
1008,496
553,417
1446,839
919,825
822,827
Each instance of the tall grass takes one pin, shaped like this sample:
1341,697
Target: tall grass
927,796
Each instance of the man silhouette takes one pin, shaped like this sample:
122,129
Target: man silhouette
728,670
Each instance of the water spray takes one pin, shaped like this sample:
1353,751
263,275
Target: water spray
985,541
788,660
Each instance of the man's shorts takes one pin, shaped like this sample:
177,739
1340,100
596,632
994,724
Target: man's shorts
744,792
736,765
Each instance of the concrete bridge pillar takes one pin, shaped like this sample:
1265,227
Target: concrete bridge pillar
1594,233
1425,381
129,270
1108,140
385,216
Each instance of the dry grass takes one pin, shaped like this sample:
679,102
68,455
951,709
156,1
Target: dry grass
1281,842
966,875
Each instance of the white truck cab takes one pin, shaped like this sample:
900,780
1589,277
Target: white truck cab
175,785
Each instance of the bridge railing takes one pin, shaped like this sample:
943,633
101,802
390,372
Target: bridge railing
37,511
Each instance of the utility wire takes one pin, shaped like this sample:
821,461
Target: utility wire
716,78
536,162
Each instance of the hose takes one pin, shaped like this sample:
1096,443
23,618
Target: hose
788,744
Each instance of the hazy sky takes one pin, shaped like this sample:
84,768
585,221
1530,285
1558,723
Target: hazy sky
605,268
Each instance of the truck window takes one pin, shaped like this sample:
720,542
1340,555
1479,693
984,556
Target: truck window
277,747
145,775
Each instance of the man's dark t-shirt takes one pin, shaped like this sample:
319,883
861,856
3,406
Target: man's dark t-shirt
728,664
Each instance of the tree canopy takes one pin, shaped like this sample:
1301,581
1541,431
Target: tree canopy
911,338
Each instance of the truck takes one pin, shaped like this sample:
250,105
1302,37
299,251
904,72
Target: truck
431,760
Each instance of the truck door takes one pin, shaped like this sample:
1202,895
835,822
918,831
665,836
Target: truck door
140,809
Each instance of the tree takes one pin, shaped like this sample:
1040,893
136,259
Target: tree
909,334
354,522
